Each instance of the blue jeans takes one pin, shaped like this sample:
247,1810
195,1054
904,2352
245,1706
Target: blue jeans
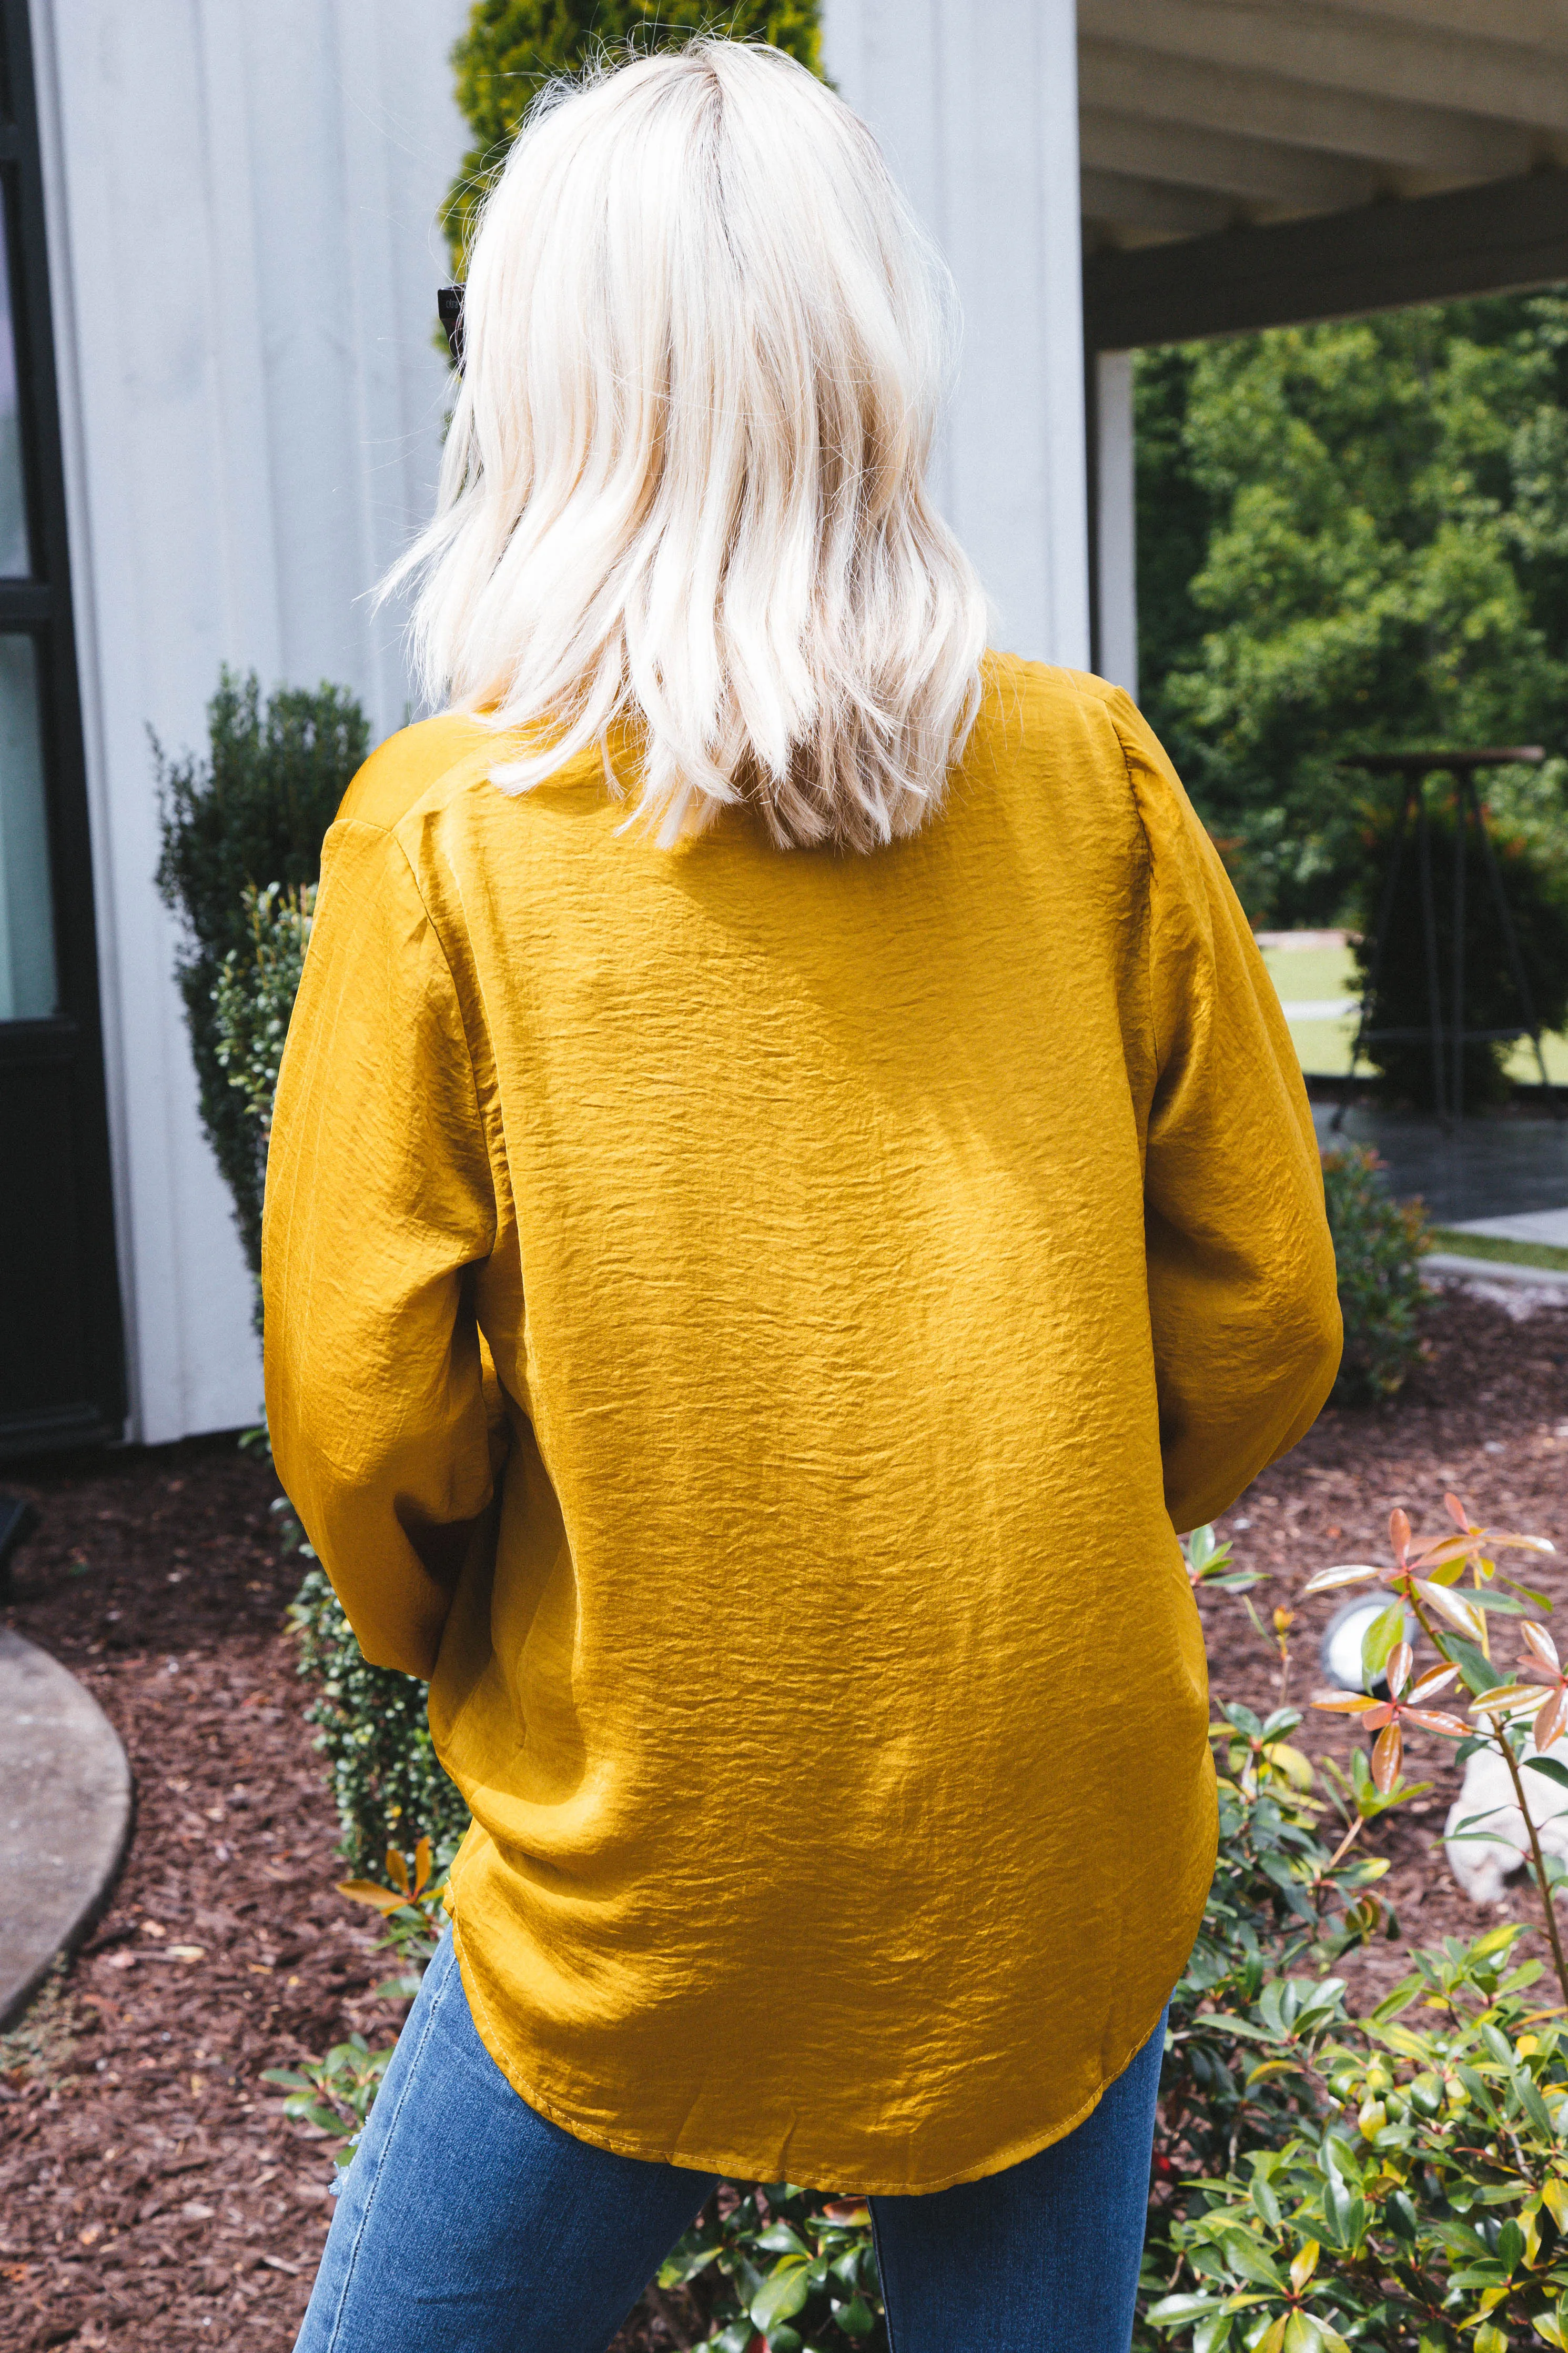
469,2224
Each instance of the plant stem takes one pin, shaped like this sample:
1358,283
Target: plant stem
1345,1844
1538,1859
1426,1623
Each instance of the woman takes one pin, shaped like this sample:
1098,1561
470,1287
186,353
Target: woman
789,1185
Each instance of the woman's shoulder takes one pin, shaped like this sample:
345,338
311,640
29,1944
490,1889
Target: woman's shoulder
1022,701
427,762
1047,728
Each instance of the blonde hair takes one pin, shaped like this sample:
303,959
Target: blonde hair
705,343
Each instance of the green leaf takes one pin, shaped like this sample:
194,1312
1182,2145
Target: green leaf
782,2294
1533,2104
1551,1768
1180,2311
779,2239
1248,2260
736,2338
1475,1670
1377,1642
856,2318
1267,2204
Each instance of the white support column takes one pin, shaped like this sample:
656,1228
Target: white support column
1116,516
976,104
244,258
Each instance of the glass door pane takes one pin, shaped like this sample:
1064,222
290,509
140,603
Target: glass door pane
15,563
27,983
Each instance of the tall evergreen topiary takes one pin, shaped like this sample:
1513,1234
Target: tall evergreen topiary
512,47
252,813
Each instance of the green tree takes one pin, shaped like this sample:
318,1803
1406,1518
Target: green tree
1353,537
512,47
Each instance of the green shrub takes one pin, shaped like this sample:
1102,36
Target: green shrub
512,47
1416,2202
252,813
252,999
1399,2181
1379,1244
373,1728
1535,890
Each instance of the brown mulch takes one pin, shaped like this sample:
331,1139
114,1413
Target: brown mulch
151,2196
1485,1415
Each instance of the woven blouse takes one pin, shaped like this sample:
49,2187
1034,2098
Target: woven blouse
748,1325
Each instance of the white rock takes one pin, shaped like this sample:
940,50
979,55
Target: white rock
1494,1851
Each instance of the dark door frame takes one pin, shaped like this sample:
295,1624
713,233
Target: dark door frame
69,1043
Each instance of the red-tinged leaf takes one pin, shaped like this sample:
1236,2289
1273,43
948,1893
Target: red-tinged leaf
1350,1572
848,2209
1433,1720
1387,1756
1353,1703
421,1866
1381,1712
1399,1534
1530,1671
1460,1515
1401,1666
1445,1552
1538,1640
397,1869
1471,1621
1426,1686
1552,1721
366,1891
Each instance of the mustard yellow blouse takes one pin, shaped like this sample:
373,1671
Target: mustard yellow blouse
748,1327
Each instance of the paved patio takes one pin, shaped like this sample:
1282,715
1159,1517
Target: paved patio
1483,1171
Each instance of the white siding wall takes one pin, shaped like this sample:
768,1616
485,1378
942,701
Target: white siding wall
976,104
1117,514
244,258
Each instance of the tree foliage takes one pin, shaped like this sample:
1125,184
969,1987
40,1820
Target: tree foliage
1354,537
511,48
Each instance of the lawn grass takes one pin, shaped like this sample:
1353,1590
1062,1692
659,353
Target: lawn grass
1501,1247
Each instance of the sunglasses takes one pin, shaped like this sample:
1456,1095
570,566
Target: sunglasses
449,306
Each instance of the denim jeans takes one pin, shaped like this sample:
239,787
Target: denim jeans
469,2224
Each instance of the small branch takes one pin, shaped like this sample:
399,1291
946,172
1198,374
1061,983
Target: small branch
1538,1859
1345,1846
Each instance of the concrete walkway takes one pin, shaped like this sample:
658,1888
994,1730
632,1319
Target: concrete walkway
65,1814
1548,1226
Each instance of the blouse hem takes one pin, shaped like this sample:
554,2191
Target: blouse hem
729,2165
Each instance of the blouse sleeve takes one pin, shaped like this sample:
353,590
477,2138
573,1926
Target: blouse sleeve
379,1198
1243,1296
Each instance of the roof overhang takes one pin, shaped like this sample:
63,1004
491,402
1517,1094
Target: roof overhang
1253,163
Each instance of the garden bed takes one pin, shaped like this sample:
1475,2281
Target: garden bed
151,2194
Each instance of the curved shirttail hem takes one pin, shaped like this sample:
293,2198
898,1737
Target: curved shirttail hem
737,2169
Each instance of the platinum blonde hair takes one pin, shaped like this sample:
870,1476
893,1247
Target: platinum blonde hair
705,345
